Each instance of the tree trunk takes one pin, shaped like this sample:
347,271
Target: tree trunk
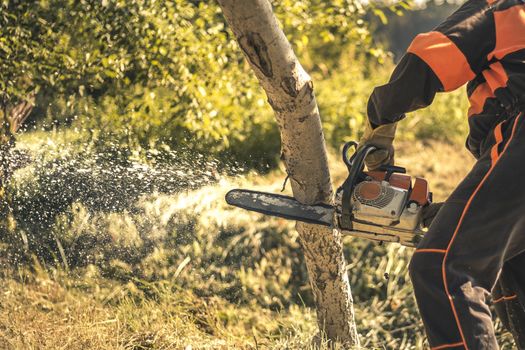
290,93
11,121
19,113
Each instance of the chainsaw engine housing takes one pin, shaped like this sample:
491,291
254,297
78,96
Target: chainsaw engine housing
378,199
389,200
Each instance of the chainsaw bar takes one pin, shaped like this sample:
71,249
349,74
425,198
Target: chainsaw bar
281,206
288,208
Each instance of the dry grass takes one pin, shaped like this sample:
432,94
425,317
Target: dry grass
61,312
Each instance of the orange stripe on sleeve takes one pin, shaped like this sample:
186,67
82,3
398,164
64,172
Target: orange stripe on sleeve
510,31
478,98
444,58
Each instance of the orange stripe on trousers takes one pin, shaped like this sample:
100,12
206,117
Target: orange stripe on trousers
467,206
447,346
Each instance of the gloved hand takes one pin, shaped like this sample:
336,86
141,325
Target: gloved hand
382,137
429,213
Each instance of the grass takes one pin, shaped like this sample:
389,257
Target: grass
178,269
60,312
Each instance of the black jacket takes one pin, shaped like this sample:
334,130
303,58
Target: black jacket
482,44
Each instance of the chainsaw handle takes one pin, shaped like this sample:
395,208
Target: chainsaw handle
389,169
358,157
355,165
346,148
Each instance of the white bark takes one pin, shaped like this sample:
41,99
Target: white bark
290,93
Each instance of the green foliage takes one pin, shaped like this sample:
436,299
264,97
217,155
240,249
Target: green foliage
63,46
21,51
169,72
161,72
343,96
320,31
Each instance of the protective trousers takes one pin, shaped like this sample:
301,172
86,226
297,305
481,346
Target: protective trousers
475,246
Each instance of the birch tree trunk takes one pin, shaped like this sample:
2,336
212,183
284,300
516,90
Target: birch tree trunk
290,93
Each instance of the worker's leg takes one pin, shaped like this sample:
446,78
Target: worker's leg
508,298
458,261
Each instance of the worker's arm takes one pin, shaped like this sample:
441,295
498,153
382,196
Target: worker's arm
441,60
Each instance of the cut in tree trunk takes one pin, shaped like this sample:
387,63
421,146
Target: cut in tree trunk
290,93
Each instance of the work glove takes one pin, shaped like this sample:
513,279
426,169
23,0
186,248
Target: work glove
429,213
382,137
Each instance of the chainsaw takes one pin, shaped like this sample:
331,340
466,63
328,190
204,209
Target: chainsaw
384,205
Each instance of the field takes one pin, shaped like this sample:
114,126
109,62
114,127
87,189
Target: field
181,270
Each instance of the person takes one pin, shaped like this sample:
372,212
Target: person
476,243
